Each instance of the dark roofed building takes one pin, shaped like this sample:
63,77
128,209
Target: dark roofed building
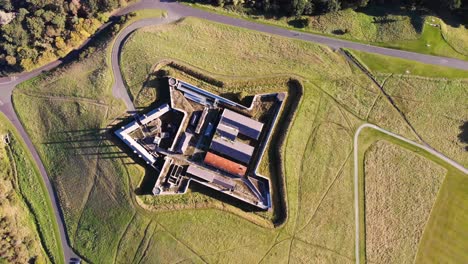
234,149
184,142
225,164
245,125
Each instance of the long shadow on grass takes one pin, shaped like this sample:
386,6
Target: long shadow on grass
463,136
381,11
94,143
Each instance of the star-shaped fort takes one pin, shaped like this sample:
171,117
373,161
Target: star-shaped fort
201,137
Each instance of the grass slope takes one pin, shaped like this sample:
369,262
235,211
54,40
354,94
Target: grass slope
27,208
64,112
384,26
390,65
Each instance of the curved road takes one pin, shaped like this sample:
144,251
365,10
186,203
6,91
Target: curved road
356,171
176,11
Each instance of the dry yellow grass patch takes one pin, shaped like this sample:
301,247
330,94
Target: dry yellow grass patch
400,190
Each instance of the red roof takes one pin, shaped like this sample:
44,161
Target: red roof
225,164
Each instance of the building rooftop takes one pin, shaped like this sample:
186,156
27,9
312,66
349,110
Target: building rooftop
222,143
244,124
210,177
184,141
233,149
225,164
227,131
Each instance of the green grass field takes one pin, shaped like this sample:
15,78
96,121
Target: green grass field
443,240
97,182
29,231
390,65
382,26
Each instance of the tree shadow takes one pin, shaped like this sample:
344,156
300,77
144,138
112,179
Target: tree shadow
339,32
299,22
381,13
416,15
463,136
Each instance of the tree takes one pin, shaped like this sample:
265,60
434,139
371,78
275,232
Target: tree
355,3
6,5
330,6
309,8
35,26
10,60
454,4
74,6
15,34
298,7
60,43
59,21
48,16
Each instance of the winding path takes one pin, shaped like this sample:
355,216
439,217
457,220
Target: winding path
356,171
176,11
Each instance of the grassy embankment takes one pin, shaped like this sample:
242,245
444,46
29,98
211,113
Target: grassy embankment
28,228
440,129
97,182
390,65
381,26
76,103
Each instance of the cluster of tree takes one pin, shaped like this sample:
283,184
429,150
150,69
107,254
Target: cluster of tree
16,246
43,30
311,7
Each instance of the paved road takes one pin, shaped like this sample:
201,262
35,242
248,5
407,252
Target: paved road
8,110
119,89
177,11
356,170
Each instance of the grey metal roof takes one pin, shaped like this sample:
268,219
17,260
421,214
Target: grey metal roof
234,149
153,114
226,183
210,177
227,131
197,92
184,141
246,125
201,173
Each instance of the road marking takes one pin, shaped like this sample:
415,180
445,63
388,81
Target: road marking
356,170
